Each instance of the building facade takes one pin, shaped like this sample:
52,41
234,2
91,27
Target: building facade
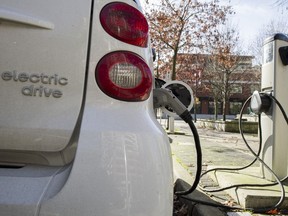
211,83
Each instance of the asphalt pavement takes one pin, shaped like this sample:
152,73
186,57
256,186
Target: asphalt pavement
220,149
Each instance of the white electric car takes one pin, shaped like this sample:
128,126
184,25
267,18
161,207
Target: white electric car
78,133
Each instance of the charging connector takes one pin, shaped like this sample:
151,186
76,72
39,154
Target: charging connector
165,98
260,102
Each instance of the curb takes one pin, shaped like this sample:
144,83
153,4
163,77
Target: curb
181,179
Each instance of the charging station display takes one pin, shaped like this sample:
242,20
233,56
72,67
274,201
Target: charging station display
268,53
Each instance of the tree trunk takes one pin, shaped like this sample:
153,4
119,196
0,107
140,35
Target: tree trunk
224,109
226,84
173,75
157,69
215,109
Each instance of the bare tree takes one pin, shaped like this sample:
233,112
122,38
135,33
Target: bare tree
264,32
225,68
183,26
281,2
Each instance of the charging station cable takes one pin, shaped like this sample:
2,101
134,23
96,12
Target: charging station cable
243,167
260,102
165,98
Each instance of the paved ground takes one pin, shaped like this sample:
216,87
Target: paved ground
218,149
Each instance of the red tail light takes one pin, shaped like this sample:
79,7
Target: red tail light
124,76
125,23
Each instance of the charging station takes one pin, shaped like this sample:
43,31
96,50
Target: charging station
274,81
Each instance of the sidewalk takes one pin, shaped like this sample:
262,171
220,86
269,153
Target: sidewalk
220,149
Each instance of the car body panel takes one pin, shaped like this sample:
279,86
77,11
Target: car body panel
118,158
42,70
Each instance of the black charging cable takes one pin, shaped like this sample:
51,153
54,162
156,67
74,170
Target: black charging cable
165,98
246,166
189,120
256,155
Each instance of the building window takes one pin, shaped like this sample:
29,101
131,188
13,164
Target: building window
235,108
254,87
236,89
242,66
211,107
198,109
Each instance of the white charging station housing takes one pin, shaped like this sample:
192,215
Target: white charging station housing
274,81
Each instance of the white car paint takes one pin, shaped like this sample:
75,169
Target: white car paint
70,149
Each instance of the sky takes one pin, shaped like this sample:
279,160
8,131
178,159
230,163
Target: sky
251,15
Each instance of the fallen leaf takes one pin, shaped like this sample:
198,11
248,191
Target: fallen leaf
273,211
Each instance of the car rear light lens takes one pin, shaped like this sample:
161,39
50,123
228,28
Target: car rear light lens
126,23
124,76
